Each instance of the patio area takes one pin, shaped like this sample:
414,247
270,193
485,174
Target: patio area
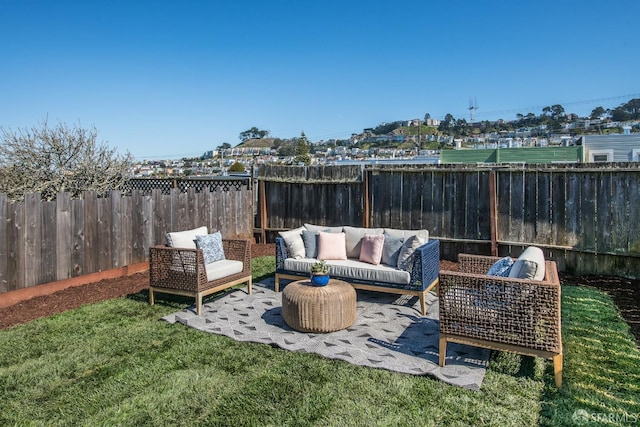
156,373
624,292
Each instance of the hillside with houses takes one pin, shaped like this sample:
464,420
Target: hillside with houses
604,135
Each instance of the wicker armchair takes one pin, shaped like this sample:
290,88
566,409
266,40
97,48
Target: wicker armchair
499,313
182,271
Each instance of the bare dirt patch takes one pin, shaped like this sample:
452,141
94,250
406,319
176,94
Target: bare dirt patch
624,292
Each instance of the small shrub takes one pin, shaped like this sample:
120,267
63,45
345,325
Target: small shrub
236,167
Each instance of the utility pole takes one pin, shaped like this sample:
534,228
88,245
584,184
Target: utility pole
473,107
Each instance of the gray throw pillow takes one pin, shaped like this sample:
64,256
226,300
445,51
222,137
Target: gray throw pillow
310,239
391,249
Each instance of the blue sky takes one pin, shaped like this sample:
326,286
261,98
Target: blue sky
171,79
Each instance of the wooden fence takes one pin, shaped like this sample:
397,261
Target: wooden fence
42,242
586,217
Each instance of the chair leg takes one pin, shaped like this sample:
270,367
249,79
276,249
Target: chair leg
277,285
151,299
423,303
249,286
198,303
443,350
557,369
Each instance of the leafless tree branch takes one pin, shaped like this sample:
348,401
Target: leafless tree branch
51,160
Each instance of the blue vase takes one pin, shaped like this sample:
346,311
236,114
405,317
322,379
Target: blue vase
320,279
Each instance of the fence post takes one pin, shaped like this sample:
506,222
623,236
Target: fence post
493,212
263,212
367,209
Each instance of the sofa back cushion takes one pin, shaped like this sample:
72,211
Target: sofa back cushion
529,265
371,250
313,227
331,246
353,239
406,234
185,239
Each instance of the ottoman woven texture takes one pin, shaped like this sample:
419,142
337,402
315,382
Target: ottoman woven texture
309,308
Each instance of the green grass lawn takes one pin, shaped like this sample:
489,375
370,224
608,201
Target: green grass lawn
116,363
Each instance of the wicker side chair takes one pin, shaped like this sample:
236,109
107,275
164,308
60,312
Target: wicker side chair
499,313
183,271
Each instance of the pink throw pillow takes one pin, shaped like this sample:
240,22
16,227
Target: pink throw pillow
371,250
331,246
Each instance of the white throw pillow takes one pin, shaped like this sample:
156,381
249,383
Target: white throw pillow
408,248
529,265
294,242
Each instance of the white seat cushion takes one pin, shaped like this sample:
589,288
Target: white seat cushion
353,269
223,268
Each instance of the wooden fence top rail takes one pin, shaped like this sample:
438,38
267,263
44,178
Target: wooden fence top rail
353,173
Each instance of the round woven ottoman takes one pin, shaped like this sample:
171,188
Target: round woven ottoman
310,308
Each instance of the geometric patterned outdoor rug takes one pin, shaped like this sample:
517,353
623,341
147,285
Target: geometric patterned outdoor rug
389,333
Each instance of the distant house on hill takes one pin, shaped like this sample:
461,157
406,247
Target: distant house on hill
611,148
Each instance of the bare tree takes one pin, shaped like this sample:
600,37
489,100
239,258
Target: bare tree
49,160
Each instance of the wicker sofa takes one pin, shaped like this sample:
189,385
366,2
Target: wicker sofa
183,270
501,313
418,277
